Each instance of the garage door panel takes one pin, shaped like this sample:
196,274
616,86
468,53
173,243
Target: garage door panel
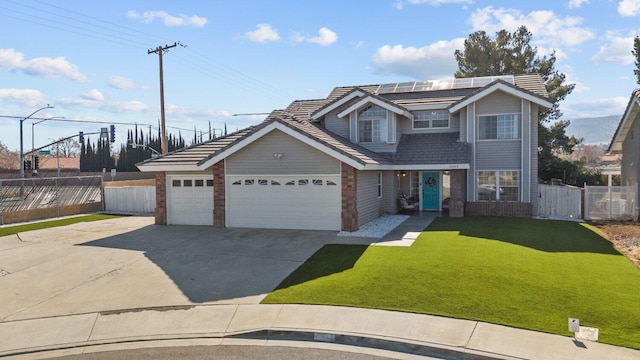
311,203
190,200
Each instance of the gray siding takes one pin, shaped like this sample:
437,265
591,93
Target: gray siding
498,155
298,158
462,120
337,125
498,103
369,204
630,158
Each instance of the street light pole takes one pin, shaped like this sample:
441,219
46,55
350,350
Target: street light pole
22,147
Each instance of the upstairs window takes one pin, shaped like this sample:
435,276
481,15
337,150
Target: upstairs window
499,127
372,122
431,119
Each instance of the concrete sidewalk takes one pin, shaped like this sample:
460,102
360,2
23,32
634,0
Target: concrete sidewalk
404,333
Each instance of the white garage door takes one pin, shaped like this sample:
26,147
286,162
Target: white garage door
284,202
189,200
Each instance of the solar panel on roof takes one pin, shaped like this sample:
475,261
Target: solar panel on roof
446,84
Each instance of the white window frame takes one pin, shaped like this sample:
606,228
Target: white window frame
501,122
498,185
379,184
431,116
378,123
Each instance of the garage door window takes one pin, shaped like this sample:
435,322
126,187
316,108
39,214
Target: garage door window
263,182
175,183
273,182
303,182
248,181
331,183
187,183
199,183
209,183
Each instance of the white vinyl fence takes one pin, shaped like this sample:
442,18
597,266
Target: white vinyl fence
130,199
560,202
610,202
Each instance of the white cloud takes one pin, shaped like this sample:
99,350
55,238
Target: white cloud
434,61
167,19
628,8
46,67
122,83
325,37
575,4
618,49
27,97
93,95
263,33
548,29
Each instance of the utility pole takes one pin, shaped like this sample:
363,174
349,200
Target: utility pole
160,50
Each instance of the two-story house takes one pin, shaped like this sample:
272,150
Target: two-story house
333,164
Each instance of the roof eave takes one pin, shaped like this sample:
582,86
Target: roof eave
500,85
633,108
400,110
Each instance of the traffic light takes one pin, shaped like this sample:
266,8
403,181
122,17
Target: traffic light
81,137
113,133
27,164
36,162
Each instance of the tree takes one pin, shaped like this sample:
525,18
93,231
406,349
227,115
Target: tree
69,148
511,54
636,54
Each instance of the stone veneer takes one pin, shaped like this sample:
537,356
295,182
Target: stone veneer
349,198
161,198
495,208
218,195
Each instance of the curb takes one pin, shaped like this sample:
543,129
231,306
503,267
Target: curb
282,335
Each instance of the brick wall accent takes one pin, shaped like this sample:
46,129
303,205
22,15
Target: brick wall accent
349,198
456,201
161,198
494,208
218,195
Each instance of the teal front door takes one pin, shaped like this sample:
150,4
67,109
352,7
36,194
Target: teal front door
431,191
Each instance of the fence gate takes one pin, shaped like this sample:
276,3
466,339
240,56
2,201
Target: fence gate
610,202
130,199
560,202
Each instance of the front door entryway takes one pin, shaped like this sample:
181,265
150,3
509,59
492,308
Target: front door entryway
431,190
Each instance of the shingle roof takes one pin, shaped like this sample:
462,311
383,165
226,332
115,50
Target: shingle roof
412,148
432,149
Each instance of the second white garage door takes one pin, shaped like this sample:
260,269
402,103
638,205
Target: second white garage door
284,202
190,200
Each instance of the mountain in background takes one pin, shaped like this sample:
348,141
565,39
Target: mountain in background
596,130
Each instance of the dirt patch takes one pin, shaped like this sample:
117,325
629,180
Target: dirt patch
625,236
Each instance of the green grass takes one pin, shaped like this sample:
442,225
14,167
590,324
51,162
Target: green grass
524,273
10,230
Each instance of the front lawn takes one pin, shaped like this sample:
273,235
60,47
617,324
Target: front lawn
14,229
525,273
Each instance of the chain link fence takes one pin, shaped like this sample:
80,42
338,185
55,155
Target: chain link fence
610,202
40,198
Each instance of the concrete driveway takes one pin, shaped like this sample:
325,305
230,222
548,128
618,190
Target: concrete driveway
130,263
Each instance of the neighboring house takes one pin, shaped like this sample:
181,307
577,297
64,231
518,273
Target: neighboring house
336,163
626,141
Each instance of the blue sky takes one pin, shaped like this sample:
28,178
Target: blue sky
89,59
